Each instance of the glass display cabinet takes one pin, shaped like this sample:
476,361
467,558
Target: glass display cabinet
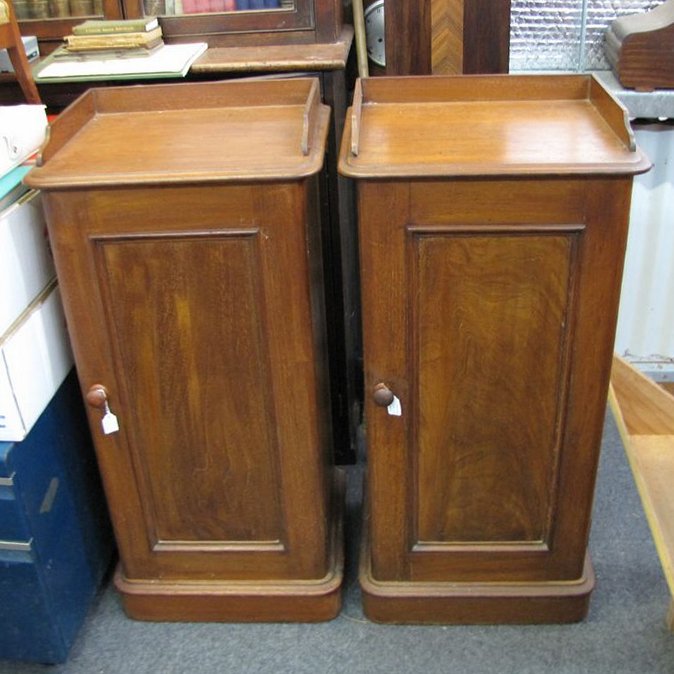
221,23
225,23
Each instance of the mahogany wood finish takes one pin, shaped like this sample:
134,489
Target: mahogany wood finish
186,232
408,37
447,37
486,36
277,58
639,48
492,221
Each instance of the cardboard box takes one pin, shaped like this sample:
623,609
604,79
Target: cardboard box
35,357
26,264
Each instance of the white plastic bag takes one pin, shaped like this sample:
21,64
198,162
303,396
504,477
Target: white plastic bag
23,129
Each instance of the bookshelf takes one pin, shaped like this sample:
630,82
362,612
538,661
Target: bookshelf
221,23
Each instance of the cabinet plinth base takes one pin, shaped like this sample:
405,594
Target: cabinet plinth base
474,603
243,601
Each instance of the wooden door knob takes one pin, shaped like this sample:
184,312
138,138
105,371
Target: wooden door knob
97,396
383,396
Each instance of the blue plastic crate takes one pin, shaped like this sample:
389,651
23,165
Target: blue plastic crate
55,537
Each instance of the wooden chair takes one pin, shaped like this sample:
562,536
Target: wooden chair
10,38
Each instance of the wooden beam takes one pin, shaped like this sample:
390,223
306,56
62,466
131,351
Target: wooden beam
408,37
486,36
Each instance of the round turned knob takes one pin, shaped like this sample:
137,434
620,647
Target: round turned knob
97,396
383,396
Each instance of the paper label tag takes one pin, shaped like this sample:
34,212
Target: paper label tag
395,408
109,423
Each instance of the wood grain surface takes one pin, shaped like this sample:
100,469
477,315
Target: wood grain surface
487,447
447,37
490,286
489,125
638,48
644,413
197,303
144,135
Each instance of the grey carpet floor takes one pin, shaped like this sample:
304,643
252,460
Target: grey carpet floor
625,631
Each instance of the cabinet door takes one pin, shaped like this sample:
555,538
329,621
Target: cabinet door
196,309
489,310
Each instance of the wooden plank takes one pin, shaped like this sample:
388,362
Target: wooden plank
309,118
483,89
408,37
668,386
653,461
272,58
645,416
447,37
645,407
486,36
356,112
613,111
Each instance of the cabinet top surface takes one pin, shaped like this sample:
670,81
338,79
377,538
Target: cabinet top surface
186,133
276,58
487,125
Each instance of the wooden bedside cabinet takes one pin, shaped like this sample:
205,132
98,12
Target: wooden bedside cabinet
184,221
492,222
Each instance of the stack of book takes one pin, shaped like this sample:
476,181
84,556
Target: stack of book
258,4
129,37
213,6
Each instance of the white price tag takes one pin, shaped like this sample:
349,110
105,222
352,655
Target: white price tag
109,423
395,409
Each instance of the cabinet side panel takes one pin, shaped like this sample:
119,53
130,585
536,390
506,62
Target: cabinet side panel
490,315
187,313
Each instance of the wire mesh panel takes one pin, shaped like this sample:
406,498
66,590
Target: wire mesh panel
565,35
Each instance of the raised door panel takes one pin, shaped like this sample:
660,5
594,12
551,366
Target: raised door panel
187,316
485,314
489,316
199,310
